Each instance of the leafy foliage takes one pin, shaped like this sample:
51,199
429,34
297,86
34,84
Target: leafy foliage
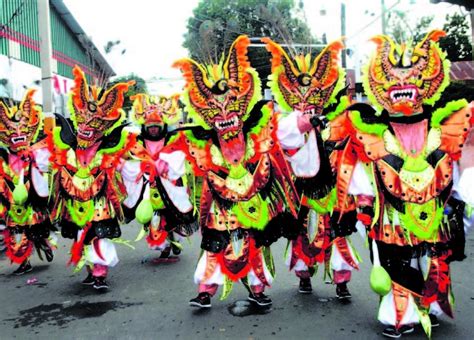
139,87
457,43
216,23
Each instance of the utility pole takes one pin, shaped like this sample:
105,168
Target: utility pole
384,18
343,32
472,32
46,55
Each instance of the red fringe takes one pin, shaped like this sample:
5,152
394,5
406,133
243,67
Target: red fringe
78,246
11,255
245,270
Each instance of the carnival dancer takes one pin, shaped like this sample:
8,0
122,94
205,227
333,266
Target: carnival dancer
24,189
311,93
401,163
173,214
87,188
246,181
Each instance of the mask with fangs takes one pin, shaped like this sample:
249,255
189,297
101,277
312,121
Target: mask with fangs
93,113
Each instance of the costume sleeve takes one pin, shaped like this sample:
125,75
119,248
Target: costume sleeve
463,184
176,164
133,181
360,182
305,162
39,171
288,133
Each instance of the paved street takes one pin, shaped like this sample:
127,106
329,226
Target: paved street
150,301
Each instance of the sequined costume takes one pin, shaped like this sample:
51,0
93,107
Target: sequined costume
246,182
87,190
401,163
24,167
310,92
165,208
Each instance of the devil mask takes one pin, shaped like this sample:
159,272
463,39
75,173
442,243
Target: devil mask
304,84
95,112
402,78
20,125
152,113
222,96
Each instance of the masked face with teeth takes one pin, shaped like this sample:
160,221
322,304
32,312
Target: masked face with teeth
305,84
222,96
153,113
20,125
402,78
95,113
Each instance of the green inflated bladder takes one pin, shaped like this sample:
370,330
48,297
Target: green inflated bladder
20,194
144,212
380,281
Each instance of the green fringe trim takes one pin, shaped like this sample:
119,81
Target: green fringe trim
446,68
317,205
256,219
366,85
81,220
41,123
257,91
263,122
376,129
200,143
57,139
273,85
442,113
341,107
173,138
341,83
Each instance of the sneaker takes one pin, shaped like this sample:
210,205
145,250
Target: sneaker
434,320
305,286
100,283
203,300
392,332
89,280
260,299
24,268
165,253
342,292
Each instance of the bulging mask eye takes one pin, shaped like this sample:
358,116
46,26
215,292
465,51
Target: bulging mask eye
220,87
92,107
304,79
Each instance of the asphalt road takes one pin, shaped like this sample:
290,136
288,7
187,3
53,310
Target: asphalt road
150,301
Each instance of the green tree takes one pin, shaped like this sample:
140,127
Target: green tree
457,42
216,23
139,87
400,29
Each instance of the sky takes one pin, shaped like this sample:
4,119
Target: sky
152,31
